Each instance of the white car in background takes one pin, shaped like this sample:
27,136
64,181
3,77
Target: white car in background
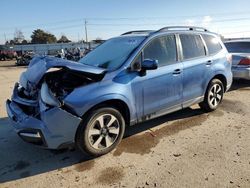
240,50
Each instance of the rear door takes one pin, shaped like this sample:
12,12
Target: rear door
195,65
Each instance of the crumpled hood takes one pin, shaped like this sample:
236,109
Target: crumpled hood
39,65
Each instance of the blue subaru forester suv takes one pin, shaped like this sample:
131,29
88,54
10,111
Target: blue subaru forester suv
128,79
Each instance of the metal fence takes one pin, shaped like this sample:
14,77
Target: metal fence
43,49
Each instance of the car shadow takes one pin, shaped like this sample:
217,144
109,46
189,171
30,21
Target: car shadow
182,114
240,84
13,66
20,159
7,66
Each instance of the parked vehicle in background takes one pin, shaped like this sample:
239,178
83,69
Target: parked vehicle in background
56,53
132,78
6,53
240,50
87,50
24,59
73,54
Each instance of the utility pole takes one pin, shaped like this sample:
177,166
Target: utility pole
86,32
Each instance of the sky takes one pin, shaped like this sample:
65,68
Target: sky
110,18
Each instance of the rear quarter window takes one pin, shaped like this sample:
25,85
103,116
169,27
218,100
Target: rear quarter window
192,46
213,44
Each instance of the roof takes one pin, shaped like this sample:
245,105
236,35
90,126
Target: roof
164,29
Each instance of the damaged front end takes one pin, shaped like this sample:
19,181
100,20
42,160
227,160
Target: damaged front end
37,107
56,85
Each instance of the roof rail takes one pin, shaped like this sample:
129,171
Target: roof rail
138,32
191,28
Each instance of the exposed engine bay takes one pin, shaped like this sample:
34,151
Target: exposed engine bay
54,86
63,82
48,81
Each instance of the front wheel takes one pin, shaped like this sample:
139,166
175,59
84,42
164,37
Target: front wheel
101,132
213,96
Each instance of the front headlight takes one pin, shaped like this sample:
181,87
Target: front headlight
23,81
48,97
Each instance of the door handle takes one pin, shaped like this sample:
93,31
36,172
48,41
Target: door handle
209,62
177,71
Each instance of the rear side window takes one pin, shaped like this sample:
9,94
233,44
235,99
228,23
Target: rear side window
192,46
238,47
162,49
213,44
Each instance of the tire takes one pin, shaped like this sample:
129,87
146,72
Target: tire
96,139
213,96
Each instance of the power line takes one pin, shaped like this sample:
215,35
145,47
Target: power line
55,28
172,17
239,32
165,23
127,18
137,24
93,25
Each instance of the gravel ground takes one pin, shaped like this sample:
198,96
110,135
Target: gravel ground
188,148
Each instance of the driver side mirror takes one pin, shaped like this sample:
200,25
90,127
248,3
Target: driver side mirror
149,64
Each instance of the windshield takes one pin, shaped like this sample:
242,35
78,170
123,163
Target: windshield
112,53
238,47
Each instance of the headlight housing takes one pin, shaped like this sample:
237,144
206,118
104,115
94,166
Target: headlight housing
48,97
23,81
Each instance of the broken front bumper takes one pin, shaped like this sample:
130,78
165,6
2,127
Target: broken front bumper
52,128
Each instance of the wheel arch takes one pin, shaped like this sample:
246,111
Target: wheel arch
118,104
218,76
205,103
222,78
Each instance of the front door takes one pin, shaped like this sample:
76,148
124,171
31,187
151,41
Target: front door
159,90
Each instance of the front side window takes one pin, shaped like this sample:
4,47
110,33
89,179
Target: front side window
112,53
213,44
192,46
162,49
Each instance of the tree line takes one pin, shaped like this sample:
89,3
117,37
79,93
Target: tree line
38,36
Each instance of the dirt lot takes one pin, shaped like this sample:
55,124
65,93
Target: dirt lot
188,148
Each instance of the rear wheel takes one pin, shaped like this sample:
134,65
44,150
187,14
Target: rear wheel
101,132
213,96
